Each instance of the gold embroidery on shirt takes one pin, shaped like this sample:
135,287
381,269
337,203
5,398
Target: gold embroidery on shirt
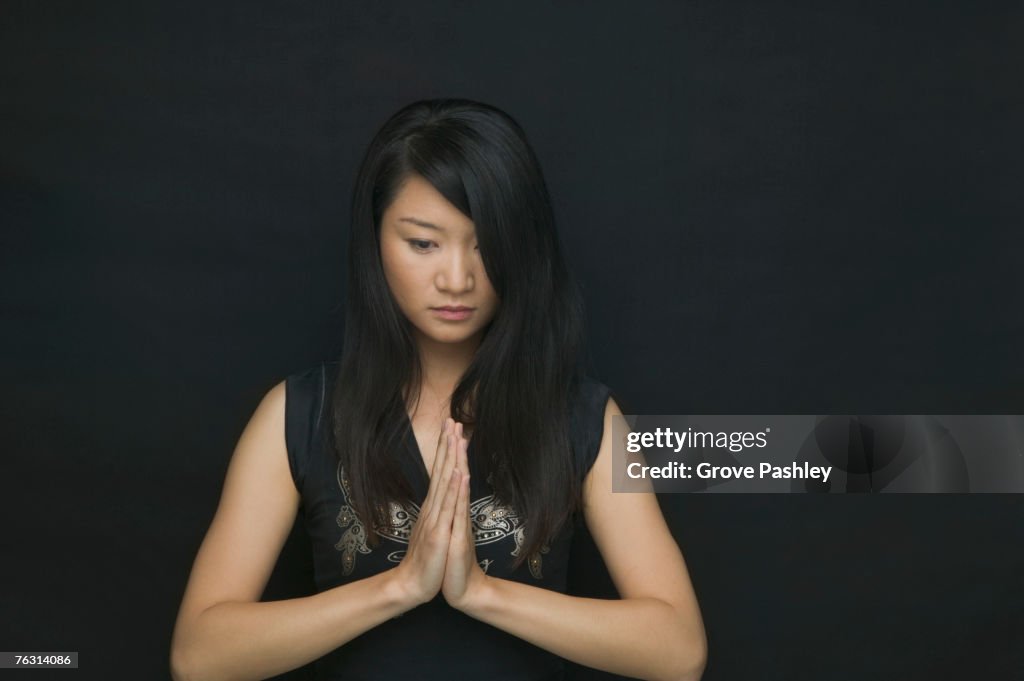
534,562
490,520
493,522
353,540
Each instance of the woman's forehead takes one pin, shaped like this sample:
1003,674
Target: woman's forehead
418,204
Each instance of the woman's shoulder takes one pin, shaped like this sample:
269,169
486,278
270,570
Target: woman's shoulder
307,393
318,371
312,383
589,396
307,397
588,384
587,419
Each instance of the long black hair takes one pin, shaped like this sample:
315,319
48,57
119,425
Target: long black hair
516,392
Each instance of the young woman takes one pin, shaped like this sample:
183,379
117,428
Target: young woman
443,464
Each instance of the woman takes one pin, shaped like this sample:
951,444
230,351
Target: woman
442,465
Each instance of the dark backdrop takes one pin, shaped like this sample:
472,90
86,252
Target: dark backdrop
772,208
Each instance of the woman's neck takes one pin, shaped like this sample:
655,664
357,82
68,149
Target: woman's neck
443,365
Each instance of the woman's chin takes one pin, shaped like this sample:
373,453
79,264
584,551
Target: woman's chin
451,336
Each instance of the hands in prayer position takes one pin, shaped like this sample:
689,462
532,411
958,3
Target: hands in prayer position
442,554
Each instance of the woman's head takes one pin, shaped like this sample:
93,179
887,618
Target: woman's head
471,166
432,264
467,169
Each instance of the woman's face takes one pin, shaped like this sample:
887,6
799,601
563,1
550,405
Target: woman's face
432,264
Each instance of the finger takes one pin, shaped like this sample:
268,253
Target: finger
463,454
442,445
442,441
452,456
443,478
450,453
465,464
460,526
451,497
445,427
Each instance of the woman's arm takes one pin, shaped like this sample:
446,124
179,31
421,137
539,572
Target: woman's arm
653,632
222,631
257,640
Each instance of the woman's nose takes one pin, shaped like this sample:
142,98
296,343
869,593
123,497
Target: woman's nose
456,274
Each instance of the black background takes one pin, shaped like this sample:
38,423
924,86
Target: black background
772,208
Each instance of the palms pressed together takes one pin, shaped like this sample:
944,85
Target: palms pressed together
442,552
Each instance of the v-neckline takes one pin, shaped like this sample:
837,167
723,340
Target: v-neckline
412,449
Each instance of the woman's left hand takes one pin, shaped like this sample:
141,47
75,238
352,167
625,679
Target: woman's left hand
463,578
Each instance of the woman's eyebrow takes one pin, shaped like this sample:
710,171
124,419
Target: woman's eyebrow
422,223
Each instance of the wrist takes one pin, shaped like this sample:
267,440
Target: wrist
402,591
479,596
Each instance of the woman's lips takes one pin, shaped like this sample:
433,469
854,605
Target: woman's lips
453,313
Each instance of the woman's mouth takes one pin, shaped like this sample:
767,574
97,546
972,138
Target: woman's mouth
453,312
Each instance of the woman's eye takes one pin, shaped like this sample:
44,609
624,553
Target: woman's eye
420,244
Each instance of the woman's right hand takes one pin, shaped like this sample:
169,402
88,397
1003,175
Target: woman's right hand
421,571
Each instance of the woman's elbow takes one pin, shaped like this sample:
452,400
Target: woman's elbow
692,659
179,667
183,664
692,668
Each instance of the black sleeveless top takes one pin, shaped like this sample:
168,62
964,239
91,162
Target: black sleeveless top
432,641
